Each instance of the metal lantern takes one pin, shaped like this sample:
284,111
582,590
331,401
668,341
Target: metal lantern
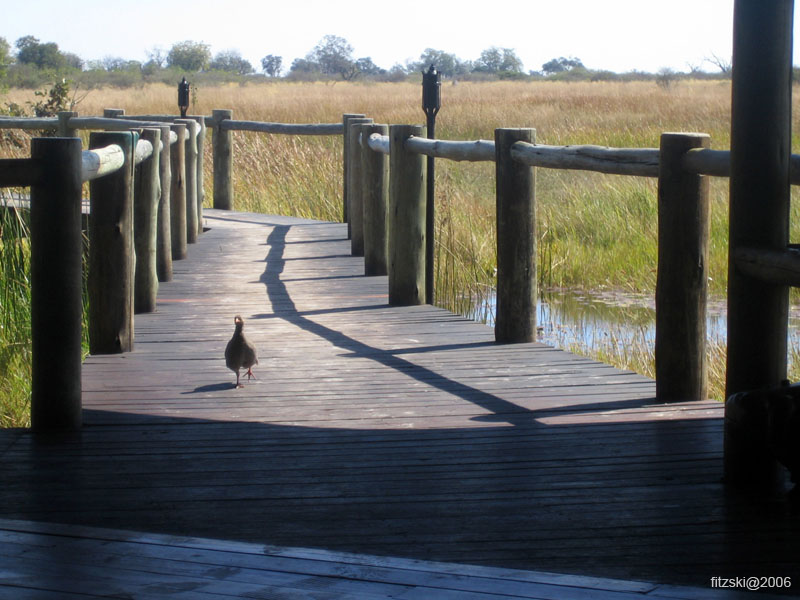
183,96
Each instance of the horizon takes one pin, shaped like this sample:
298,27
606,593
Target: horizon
618,35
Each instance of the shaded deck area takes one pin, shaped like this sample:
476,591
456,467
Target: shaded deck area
382,431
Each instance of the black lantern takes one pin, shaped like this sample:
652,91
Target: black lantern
431,91
183,96
431,102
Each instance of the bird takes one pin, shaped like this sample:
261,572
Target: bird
240,353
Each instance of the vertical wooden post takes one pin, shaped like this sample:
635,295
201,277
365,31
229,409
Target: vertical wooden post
375,190
681,286
354,188
111,253
406,219
516,241
177,194
145,225
190,177
164,235
64,129
201,191
759,218
223,161
56,285
345,164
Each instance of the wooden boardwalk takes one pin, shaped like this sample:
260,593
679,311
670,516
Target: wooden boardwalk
385,431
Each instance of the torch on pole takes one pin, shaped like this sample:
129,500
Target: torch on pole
183,96
431,102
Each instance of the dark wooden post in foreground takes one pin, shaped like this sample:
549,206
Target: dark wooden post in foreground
177,194
111,252
681,296
222,145
346,165
355,193
759,219
56,285
516,241
406,219
164,235
375,190
145,225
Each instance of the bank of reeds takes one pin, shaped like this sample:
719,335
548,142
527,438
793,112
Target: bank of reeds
595,231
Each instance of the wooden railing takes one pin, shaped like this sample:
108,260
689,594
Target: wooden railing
138,225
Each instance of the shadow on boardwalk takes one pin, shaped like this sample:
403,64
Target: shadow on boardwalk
389,431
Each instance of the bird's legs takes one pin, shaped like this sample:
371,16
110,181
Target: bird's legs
250,374
238,385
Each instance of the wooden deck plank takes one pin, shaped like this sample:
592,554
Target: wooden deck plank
89,562
388,431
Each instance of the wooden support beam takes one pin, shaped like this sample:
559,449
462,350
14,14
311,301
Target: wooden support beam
406,219
355,199
759,218
223,161
516,240
681,286
164,233
56,285
190,177
346,166
146,195
177,194
111,251
375,190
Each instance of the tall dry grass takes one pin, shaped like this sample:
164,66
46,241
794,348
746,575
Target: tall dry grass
595,231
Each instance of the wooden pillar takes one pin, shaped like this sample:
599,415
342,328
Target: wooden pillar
406,219
223,161
146,196
56,285
345,164
177,194
164,234
111,252
681,286
190,177
516,241
375,193
201,191
64,128
759,217
354,188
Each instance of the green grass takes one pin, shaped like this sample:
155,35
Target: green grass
15,320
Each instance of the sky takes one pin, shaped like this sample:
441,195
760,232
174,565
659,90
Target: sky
615,35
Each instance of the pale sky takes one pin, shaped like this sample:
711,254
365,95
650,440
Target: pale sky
618,35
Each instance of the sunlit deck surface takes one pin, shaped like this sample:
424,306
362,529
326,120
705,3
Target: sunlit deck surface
373,438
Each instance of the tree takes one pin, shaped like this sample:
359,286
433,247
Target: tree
722,64
45,56
232,62
5,57
272,65
499,60
368,68
334,56
449,65
561,64
189,56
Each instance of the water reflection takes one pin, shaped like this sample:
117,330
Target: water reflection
579,320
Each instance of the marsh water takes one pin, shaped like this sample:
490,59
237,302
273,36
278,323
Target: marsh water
612,321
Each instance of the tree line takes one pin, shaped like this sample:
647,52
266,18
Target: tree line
31,63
